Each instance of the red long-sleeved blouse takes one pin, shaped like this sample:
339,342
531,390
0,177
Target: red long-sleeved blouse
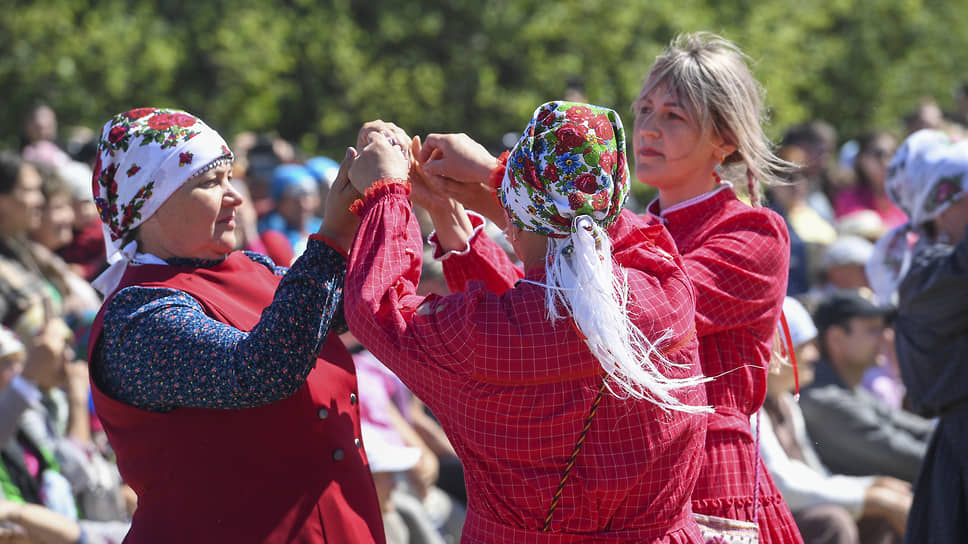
738,260
513,390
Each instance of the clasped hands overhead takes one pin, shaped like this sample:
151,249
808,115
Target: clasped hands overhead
444,167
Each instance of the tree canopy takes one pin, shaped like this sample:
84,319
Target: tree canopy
313,71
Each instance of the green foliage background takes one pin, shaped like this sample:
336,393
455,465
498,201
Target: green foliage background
315,70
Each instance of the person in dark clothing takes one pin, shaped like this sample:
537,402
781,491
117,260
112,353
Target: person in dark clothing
929,181
855,432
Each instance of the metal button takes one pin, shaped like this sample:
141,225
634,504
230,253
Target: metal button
352,398
323,413
338,455
358,442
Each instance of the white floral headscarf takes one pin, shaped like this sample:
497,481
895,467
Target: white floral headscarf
927,174
145,155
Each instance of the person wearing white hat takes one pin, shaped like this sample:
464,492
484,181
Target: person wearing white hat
833,508
405,521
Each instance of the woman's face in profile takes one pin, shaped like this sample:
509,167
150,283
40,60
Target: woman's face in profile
197,221
20,209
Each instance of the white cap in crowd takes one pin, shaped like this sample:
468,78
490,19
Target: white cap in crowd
847,250
384,454
9,342
802,329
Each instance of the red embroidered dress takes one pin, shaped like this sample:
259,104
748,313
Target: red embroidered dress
513,391
738,260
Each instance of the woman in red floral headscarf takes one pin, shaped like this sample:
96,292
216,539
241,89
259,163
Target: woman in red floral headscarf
570,390
699,115
219,377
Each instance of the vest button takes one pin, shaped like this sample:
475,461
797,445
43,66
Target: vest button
338,455
323,413
352,398
358,442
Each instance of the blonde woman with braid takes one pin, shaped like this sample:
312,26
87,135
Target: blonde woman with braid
698,124
570,389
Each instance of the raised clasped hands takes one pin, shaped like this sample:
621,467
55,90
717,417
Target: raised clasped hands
443,170
384,153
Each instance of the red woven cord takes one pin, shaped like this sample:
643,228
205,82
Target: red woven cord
792,353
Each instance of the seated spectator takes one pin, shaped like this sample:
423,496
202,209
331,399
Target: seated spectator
389,406
842,265
874,152
258,156
818,140
85,253
827,507
78,301
26,301
856,433
48,482
40,135
404,519
810,233
296,196
324,169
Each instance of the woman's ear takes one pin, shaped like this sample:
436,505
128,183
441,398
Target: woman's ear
725,150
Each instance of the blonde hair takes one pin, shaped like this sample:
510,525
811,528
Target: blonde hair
712,78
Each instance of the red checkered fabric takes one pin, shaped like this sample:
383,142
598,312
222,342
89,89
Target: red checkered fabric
738,260
513,390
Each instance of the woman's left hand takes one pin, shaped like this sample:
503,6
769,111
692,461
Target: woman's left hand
379,159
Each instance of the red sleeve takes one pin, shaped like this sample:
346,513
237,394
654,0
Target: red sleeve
380,300
484,260
740,271
433,343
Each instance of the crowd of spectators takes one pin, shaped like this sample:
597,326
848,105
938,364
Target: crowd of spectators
844,456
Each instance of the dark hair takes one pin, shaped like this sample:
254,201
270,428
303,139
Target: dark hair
10,165
865,144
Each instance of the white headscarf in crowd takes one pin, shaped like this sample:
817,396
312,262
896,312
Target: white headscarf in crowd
927,174
143,156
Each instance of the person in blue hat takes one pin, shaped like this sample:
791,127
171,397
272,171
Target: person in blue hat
295,192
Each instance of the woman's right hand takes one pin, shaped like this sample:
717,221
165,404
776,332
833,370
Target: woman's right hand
379,159
339,223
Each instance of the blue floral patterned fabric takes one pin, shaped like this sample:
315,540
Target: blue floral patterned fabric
160,351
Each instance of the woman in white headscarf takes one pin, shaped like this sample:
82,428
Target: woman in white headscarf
226,394
923,265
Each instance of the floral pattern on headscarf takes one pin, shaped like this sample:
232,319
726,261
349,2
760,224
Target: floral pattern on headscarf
569,162
143,156
927,174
